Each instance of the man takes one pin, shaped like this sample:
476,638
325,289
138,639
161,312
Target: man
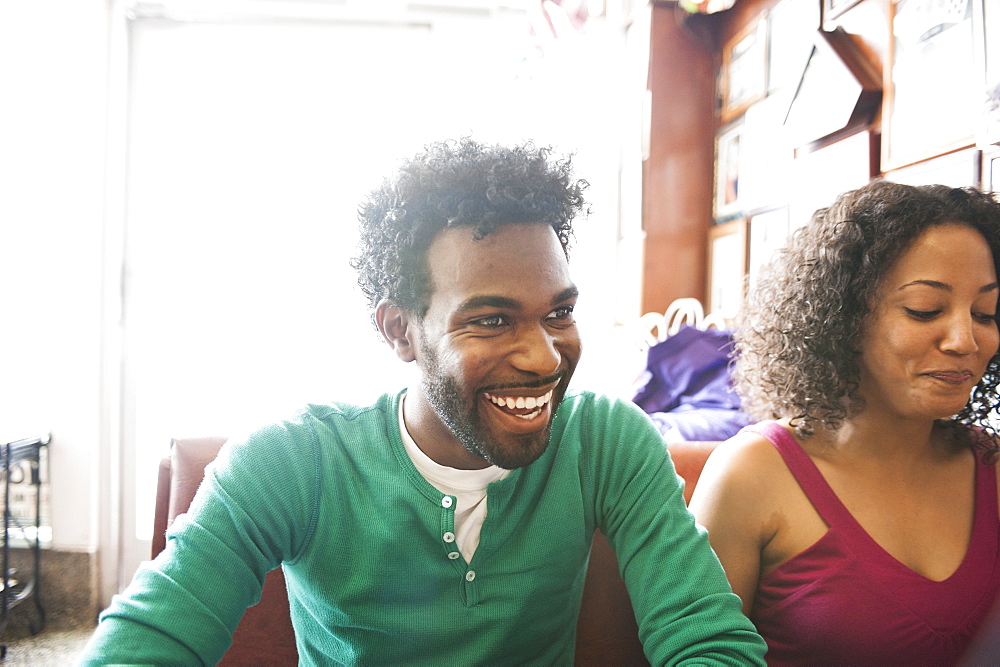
449,523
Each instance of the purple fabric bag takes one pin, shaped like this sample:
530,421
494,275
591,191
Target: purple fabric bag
686,387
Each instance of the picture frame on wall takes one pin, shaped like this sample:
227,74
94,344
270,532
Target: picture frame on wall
958,169
791,25
727,261
986,24
839,91
991,169
769,232
834,8
728,147
744,70
932,100
817,177
766,155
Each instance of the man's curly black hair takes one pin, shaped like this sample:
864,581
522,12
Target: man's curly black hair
459,183
800,328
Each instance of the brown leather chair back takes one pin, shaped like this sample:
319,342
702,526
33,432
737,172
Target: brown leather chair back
606,631
264,635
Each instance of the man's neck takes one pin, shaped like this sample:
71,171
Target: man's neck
433,436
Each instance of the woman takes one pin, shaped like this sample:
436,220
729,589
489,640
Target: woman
862,525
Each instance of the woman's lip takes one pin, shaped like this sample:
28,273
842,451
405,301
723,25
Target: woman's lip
953,377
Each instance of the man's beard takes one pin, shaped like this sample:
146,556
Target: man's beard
445,396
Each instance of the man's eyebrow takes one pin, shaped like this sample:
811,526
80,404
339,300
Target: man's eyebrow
506,303
936,284
489,301
571,292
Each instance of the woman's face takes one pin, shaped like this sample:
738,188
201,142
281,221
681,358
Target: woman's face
933,329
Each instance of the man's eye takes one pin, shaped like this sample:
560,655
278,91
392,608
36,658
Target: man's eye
986,318
922,314
562,313
491,321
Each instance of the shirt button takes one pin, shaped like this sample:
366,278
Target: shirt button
453,555
470,575
448,537
446,502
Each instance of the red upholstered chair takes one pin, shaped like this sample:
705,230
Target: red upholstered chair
606,631
264,635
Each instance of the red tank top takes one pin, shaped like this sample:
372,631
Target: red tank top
845,600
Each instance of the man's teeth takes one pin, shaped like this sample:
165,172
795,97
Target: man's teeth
522,402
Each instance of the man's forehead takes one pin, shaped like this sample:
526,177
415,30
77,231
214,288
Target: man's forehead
514,233
510,260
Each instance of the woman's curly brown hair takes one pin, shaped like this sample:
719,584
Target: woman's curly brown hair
452,184
799,334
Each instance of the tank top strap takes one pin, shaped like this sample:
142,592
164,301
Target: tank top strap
810,479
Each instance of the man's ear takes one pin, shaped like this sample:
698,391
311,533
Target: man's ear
397,328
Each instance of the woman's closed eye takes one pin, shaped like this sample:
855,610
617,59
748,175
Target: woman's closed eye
927,315
923,315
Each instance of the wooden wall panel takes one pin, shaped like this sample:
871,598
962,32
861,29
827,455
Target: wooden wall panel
678,175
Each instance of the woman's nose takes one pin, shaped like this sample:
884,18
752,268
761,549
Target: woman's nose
960,337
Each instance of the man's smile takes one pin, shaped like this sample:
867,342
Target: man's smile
525,407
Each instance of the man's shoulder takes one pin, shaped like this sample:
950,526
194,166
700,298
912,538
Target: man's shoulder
380,408
598,420
315,422
588,404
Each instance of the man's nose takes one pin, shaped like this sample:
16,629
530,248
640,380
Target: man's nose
536,351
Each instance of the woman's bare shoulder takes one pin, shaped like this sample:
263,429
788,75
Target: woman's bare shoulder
748,458
746,496
737,477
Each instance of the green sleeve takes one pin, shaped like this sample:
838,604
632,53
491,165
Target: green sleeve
685,608
254,510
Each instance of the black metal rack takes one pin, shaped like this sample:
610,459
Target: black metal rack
13,592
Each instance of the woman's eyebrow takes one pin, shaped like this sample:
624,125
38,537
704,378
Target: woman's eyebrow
937,284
